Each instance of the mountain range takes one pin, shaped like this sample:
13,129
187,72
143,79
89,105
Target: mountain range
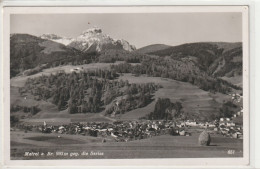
219,59
90,41
210,66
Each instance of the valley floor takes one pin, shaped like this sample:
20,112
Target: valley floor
193,100
163,146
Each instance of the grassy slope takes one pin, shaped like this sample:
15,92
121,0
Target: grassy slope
193,99
49,112
28,101
19,81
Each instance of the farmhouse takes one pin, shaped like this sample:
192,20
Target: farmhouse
77,69
230,124
191,123
211,125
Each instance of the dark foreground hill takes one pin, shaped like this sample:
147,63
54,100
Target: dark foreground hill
27,52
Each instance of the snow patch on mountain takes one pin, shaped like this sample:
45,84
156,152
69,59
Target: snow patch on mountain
58,39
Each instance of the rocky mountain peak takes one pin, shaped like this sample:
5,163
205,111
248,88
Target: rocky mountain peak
91,40
94,30
94,40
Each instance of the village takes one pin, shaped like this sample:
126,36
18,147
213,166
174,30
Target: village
124,131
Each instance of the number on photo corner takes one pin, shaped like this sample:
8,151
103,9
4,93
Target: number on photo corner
231,152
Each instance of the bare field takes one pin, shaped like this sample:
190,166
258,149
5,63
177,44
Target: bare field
164,146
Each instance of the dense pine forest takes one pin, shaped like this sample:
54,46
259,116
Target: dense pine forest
177,70
90,91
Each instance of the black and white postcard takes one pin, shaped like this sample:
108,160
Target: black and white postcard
141,85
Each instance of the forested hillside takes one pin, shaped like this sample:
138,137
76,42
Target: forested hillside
184,71
80,89
28,52
215,58
86,92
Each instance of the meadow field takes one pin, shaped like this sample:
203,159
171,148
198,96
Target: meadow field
192,98
163,146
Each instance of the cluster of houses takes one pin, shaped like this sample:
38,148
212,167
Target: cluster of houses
118,131
123,131
190,123
229,129
239,113
235,97
225,126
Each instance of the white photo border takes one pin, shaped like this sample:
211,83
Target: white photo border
132,162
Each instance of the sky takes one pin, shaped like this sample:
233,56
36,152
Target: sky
138,29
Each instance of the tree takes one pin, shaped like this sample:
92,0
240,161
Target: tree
72,106
178,107
165,109
13,120
228,109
